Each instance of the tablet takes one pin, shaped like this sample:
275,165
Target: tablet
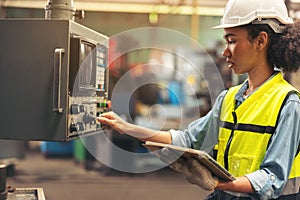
203,157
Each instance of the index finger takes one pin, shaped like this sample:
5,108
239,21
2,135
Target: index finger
108,115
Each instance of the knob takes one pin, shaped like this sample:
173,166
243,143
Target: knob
75,109
88,118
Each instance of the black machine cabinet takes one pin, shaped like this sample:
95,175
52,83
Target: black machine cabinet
53,79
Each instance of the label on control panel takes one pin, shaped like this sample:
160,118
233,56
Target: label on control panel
101,67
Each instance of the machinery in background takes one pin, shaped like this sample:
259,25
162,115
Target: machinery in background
294,8
10,193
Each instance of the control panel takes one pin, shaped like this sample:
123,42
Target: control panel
89,86
83,113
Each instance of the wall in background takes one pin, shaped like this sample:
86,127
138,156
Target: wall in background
114,23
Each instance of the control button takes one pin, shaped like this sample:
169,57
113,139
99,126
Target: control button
80,126
99,105
73,128
98,126
75,109
108,104
93,122
82,108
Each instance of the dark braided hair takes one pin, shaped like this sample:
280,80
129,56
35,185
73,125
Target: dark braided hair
284,49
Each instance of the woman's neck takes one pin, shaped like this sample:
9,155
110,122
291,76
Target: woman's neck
257,78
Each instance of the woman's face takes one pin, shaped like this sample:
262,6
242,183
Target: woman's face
241,53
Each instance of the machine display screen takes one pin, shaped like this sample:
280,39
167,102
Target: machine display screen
87,71
88,62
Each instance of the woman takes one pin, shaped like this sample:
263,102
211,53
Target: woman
255,125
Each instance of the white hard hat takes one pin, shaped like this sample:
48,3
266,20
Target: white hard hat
242,12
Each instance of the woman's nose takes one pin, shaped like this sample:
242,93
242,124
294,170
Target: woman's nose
226,52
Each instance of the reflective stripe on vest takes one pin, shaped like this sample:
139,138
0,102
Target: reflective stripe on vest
245,132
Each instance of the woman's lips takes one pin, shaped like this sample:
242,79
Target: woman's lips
230,63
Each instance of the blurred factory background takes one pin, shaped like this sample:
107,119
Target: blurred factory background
71,169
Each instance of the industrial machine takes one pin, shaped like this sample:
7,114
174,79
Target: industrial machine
53,80
53,77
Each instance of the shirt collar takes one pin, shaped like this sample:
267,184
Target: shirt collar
240,97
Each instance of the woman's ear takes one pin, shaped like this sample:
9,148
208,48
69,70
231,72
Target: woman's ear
262,40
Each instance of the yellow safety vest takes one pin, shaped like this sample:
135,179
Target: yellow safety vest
245,132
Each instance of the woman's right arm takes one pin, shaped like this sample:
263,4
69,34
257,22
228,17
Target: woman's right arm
115,122
185,138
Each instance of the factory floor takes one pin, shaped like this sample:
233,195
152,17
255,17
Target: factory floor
64,179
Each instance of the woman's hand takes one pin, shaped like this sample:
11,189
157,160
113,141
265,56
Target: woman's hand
114,121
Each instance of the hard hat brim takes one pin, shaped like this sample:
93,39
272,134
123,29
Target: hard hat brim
226,26
222,26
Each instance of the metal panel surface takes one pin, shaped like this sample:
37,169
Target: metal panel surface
27,78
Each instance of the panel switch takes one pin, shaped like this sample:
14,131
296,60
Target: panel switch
75,109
